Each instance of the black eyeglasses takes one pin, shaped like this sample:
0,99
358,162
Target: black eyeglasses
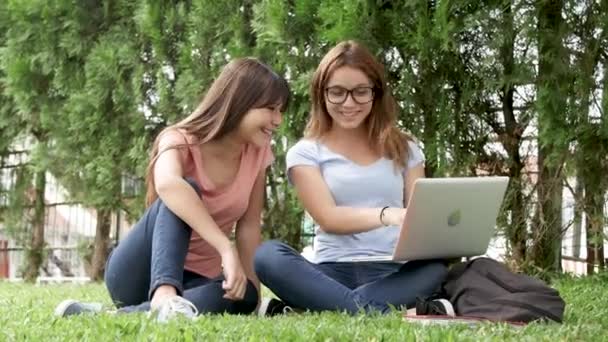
338,95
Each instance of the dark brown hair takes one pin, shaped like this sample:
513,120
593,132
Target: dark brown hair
242,85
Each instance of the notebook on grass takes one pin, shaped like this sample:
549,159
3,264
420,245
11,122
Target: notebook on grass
450,320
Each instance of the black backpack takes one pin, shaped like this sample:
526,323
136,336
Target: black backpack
487,289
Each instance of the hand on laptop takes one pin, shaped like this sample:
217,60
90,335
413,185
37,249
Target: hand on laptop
394,216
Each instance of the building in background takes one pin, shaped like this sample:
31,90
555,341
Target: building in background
69,229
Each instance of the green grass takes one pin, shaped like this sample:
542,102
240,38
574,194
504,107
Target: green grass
26,314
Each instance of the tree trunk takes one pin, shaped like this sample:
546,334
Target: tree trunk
577,225
547,226
595,190
551,90
426,96
35,251
100,249
594,229
516,231
248,36
591,145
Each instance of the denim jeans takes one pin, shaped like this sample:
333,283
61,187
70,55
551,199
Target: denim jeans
153,254
345,286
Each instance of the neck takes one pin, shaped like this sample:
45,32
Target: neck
351,137
227,147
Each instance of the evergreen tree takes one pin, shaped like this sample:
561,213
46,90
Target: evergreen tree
287,38
551,105
28,82
90,84
588,137
101,116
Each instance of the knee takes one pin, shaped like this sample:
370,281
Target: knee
120,295
436,270
193,184
432,270
442,268
111,281
267,254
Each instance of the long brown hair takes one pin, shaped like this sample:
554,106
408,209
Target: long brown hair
383,134
243,84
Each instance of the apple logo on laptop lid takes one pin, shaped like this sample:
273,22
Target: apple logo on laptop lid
454,218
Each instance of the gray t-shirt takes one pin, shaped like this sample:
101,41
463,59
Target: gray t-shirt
351,185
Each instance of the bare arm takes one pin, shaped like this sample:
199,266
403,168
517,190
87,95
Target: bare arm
248,229
412,175
316,198
183,201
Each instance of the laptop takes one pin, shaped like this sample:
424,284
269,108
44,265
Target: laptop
447,218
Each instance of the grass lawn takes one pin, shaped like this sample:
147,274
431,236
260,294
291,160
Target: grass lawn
26,314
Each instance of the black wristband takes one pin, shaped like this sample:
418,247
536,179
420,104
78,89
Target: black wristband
382,216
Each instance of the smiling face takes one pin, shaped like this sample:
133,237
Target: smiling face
348,97
258,124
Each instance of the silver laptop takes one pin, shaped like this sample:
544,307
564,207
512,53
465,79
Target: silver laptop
447,218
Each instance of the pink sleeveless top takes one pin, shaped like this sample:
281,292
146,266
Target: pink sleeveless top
226,205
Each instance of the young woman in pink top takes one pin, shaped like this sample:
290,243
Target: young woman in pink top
205,180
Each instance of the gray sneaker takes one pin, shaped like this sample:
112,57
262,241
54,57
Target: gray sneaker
174,307
70,307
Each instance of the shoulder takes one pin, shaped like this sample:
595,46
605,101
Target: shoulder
303,150
304,145
171,137
413,147
415,155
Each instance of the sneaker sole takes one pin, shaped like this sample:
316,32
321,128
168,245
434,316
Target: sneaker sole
449,309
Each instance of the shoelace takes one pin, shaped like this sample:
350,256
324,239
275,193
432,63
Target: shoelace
181,305
173,306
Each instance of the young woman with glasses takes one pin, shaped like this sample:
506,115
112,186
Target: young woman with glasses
352,171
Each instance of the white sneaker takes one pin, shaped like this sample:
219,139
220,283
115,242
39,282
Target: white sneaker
439,306
70,307
174,307
273,307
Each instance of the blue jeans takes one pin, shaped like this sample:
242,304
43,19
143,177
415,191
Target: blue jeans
153,254
345,286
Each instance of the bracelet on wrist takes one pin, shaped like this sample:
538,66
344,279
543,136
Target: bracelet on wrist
382,216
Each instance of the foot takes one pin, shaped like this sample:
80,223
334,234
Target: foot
439,306
70,307
161,294
273,307
174,307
